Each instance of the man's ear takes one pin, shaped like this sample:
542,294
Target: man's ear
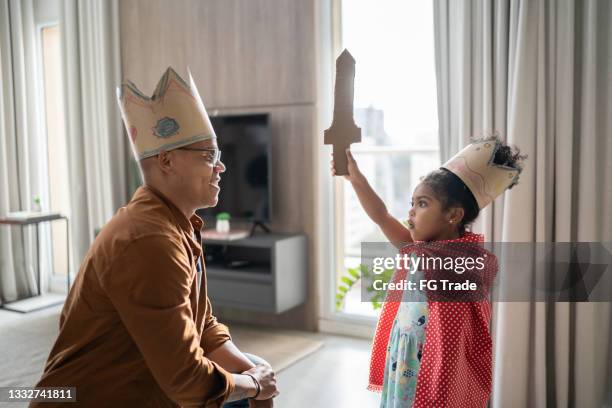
165,161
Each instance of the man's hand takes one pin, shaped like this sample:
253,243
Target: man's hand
261,403
267,381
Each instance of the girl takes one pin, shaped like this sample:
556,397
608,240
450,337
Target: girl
426,352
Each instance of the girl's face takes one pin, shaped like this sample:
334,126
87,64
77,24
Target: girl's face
428,220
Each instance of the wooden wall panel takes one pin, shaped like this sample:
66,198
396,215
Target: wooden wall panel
292,180
241,52
246,56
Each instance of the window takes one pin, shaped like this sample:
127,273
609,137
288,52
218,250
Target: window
57,194
396,107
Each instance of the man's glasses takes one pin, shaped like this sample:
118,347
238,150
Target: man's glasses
214,157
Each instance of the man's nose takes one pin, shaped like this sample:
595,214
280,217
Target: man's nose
220,167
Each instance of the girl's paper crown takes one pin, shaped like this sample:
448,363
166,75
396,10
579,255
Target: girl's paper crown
174,116
485,179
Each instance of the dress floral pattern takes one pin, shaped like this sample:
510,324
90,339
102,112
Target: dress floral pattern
405,348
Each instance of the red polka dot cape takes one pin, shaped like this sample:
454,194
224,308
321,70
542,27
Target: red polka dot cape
456,366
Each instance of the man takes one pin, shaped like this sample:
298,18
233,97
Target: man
137,327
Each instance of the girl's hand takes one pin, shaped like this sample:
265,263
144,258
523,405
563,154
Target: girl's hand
353,170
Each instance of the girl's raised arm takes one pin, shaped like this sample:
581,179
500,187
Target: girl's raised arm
376,209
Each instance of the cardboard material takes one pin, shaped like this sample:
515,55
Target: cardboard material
174,116
485,179
343,131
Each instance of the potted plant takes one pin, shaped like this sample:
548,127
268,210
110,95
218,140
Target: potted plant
362,272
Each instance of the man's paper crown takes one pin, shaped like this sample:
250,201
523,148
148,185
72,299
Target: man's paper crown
485,179
174,116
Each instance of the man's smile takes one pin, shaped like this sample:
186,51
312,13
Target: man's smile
215,182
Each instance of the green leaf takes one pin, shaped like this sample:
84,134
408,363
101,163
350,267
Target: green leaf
353,275
224,216
348,281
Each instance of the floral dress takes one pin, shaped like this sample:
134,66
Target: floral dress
405,348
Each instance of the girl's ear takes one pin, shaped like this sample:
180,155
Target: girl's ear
455,215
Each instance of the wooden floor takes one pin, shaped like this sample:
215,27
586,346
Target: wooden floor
334,376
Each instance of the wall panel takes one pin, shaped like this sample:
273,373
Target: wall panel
246,56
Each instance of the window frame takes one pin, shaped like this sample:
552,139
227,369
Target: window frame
332,321
55,282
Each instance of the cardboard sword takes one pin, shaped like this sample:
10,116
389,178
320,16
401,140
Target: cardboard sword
343,130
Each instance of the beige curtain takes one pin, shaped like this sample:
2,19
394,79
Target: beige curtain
20,156
96,145
540,73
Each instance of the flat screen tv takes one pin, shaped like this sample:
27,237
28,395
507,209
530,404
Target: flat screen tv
244,141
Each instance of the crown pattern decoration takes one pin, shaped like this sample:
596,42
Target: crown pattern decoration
485,179
174,116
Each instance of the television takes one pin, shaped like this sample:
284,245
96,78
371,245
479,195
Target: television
244,141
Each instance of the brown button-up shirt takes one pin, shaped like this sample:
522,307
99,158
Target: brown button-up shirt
135,329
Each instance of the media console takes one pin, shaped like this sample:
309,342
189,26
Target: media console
264,272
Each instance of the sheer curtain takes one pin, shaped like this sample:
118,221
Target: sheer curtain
20,177
538,72
95,141
97,153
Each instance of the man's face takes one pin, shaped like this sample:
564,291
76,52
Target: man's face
196,175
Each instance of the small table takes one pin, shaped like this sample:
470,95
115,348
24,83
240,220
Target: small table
23,219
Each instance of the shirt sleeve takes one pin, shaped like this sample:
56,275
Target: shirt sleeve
149,285
215,333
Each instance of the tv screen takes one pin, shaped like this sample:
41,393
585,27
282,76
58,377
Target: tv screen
244,141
